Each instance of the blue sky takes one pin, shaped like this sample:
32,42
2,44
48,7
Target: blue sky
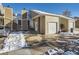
57,8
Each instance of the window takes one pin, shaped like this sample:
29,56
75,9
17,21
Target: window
1,27
1,21
19,22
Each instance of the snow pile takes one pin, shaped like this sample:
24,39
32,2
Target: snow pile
74,41
66,33
14,41
55,51
71,47
69,53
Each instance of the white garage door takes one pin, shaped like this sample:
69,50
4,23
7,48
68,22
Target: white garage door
51,28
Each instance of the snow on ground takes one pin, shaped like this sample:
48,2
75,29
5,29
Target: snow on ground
69,53
58,51
14,41
55,51
72,48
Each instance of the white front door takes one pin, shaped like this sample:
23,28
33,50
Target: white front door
36,26
51,28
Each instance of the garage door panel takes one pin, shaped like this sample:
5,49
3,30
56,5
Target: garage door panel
51,28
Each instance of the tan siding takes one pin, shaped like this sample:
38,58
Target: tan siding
77,24
65,22
42,24
8,17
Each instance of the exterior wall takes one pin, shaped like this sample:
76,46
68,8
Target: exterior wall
19,25
1,21
77,24
24,20
35,21
64,22
73,25
8,17
14,25
31,16
1,16
51,19
1,9
6,14
76,30
24,24
40,24
31,24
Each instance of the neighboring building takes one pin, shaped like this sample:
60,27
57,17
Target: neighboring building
41,22
47,23
24,19
6,17
76,24
15,22
20,21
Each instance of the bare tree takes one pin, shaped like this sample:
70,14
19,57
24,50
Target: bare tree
67,13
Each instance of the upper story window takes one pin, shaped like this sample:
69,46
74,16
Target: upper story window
1,13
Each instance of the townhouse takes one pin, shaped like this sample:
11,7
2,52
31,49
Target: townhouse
20,22
6,18
41,22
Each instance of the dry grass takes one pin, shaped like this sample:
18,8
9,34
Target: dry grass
39,50
1,42
40,37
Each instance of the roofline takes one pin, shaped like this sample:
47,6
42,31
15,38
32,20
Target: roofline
50,14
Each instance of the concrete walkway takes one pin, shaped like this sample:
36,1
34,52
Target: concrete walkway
18,52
